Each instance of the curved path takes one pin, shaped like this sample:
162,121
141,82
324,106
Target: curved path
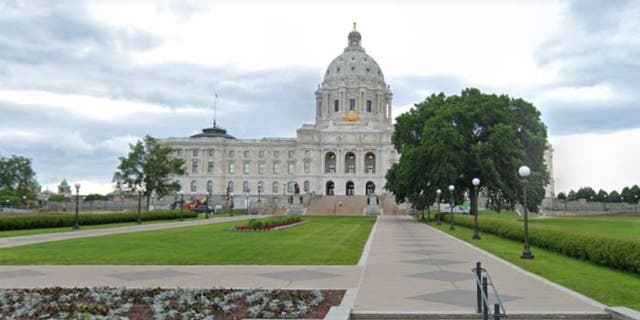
409,267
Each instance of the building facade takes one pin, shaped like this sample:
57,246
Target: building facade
347,151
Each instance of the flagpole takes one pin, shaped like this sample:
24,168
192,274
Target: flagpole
215,102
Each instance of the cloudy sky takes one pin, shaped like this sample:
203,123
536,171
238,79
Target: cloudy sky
81,80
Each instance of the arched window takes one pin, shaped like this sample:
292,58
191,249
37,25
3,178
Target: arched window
306,186
230,187
329,188
291,187
350,163
194,187
275,187
350,188
330,162
370,163
210,186
370,188
245,187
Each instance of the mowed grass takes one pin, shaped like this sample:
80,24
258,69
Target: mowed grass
611,287
319,241
621,227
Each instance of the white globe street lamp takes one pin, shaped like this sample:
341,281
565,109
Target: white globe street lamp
438,192
524,172
451,189
474,208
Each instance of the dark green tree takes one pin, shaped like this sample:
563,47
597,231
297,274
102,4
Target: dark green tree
586,193
614,196
94,197
561,196
149,168
450,140
603,196
17,180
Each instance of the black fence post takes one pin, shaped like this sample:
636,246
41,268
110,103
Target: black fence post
496,311
485,309
478,289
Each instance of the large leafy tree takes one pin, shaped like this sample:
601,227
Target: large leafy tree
17,180
149,168
448,140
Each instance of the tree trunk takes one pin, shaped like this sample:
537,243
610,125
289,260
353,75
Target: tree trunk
148,201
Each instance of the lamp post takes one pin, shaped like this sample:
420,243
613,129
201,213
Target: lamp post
76,226
524,172
421,194
139,207
247,195
231,206
181,204
24,199
438,192
451,189
636,196
474,208
206,209
259,191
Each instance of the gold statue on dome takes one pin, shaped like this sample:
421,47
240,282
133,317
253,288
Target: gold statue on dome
352,116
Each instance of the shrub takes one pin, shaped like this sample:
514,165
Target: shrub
268,224
623,254
36,221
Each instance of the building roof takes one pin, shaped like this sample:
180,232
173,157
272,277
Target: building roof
213,132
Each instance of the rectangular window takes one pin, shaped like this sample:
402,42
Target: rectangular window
276,168
232,167
232,154
307,167
246,154
307,153
276,154
292,168
246,168
291,153
352,104
211,153
261,168
369,168
332,168
368,105
261,154
194,167
351,169
210,167
195,152
336,105
179,152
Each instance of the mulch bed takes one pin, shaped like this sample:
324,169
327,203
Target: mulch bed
170,304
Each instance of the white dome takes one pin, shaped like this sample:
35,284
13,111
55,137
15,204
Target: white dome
354,64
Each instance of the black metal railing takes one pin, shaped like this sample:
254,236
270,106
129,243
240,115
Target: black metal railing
483,281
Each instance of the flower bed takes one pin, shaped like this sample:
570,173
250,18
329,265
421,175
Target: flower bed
169,304
268,224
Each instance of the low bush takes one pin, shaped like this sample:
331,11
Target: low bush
268,224
37,221
623,254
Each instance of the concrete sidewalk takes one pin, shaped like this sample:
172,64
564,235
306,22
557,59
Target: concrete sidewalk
413,267
74,234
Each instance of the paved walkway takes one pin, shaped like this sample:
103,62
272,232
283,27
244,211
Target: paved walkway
416,268
410,267
46,237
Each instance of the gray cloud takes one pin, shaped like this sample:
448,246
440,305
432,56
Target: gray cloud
599,46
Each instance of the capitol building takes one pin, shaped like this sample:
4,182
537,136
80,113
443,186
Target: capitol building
347,151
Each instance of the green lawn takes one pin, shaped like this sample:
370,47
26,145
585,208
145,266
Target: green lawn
623,227
30,232
611,287
320,241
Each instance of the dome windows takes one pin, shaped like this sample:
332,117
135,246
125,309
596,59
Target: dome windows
368,69
353,68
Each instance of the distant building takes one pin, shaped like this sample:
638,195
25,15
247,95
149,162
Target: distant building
64,188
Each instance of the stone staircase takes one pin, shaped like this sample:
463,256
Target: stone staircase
337,205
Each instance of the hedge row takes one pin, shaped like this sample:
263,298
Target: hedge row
36,221
623,254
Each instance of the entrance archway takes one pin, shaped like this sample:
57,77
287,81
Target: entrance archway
370,188
330,188
350,188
